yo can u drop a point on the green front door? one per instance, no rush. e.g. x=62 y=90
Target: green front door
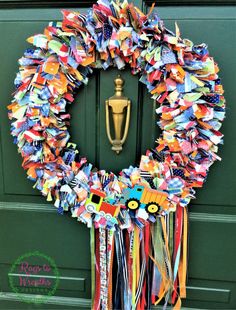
x=28 y=223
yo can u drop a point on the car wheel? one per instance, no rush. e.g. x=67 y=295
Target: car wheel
x=132 y=204
x=152 y=207
x=90 y=208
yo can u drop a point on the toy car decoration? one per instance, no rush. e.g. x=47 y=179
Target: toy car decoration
x=147 y=200
x=95 y=204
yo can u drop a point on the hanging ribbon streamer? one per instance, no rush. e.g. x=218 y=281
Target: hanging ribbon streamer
x=96 y=297
x=135 y=268
x=103 y=269
x=110 y=257
x=93 y=262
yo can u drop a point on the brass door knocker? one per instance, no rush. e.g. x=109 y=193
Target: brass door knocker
x=118 y=104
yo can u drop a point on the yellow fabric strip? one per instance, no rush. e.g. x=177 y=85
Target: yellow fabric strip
x=177 y=306
x=151 y=9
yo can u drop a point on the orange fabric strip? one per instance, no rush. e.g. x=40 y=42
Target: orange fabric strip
x=151 y=9
x=182 y=272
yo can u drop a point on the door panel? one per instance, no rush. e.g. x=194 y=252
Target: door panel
x=29 y=223
x=56 y=236
x=211 y=272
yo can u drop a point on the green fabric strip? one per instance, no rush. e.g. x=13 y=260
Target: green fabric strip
x=92 y=249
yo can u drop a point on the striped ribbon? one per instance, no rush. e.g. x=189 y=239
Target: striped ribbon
x=141 y=275
x=110 y=255
x=103 y=269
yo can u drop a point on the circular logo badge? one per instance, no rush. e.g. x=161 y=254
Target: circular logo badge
x=34 y=277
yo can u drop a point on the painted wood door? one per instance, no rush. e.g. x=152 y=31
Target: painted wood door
x=28 y=223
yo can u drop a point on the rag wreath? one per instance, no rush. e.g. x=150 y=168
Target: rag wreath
x=138 y=218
